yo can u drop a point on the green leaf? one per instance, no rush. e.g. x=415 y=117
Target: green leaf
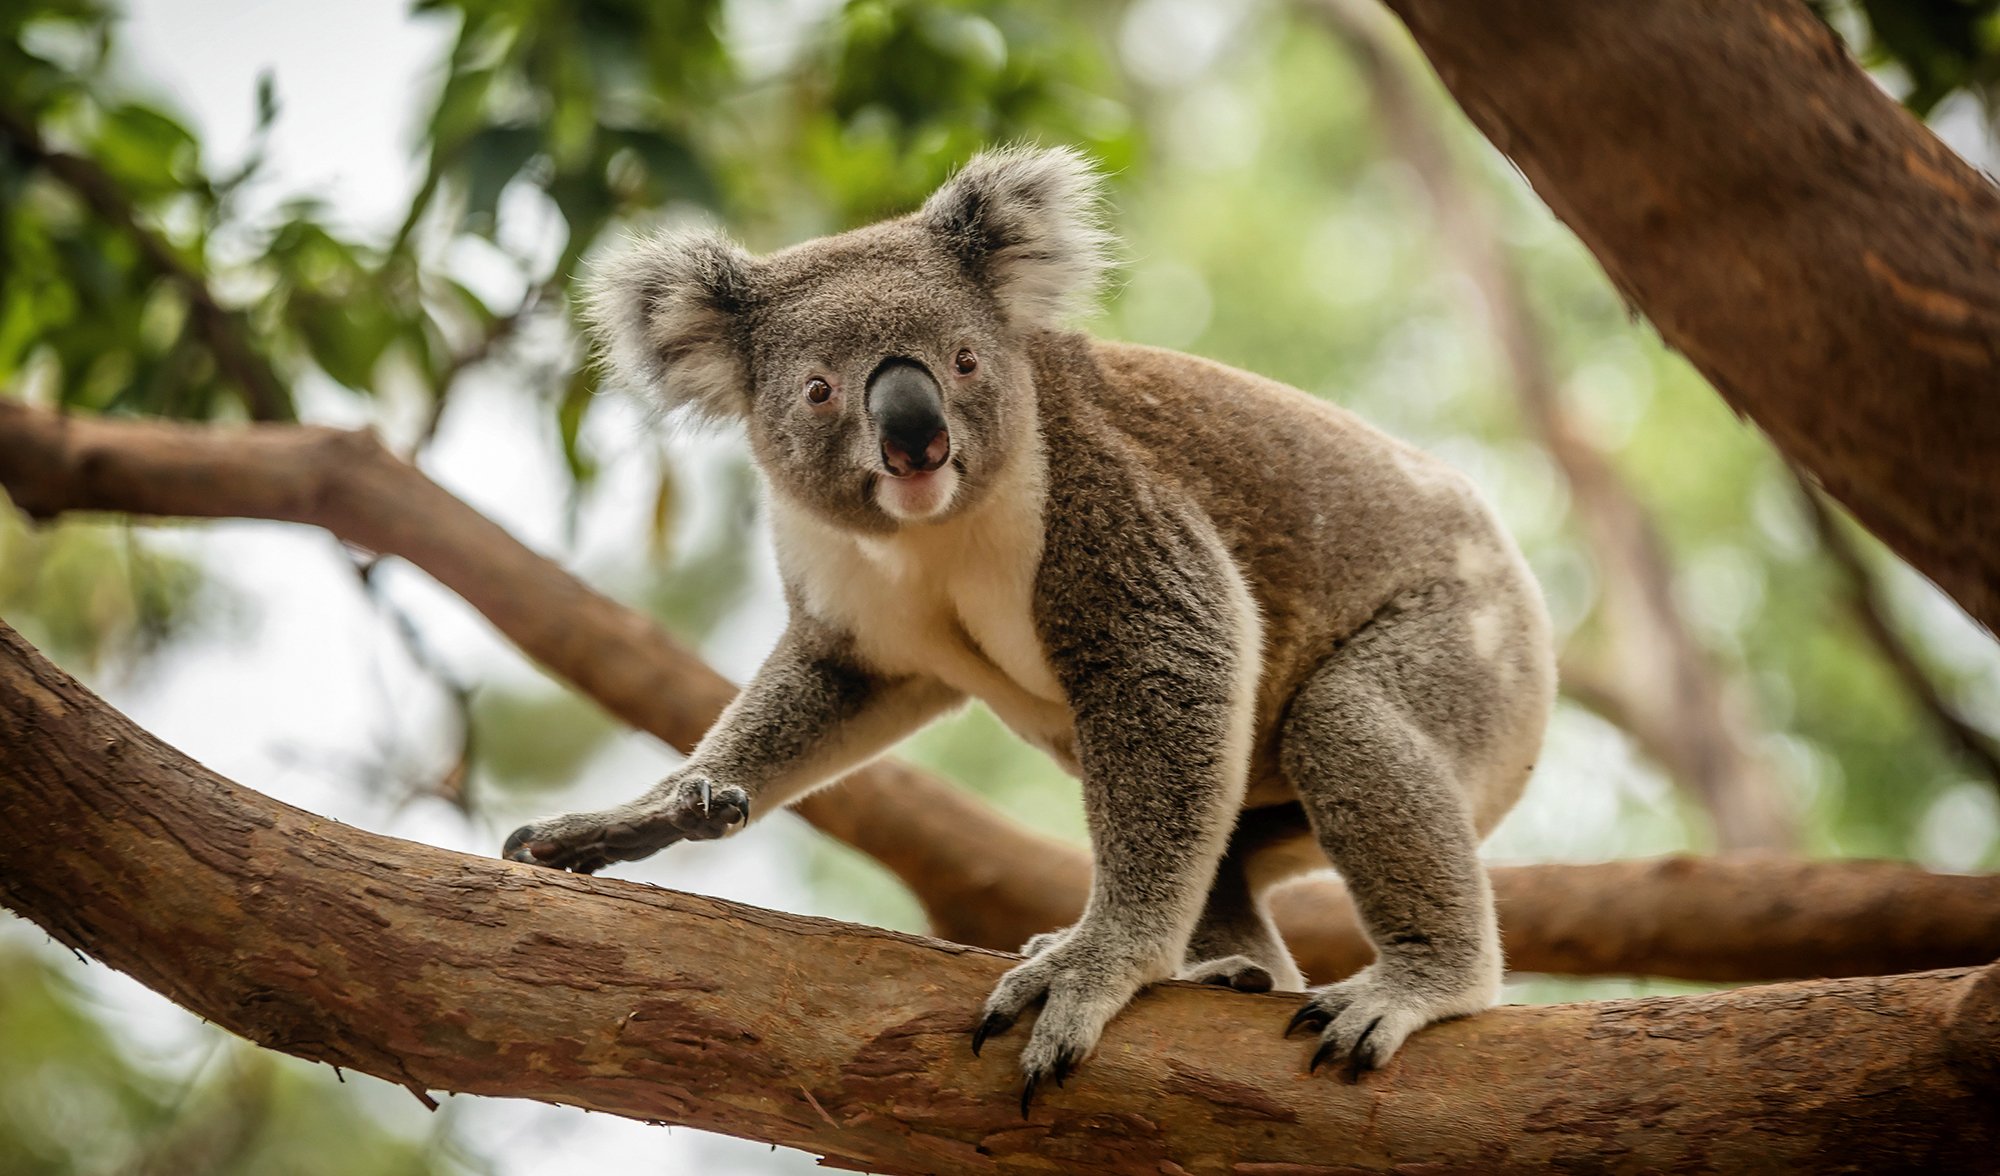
x=146 y=149
x=267 y=100
x=578 y=396
x=492 y=157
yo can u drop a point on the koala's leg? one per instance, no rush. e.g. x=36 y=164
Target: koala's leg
x=811 y=714
x=1162 y=696
x=1235 y=944
x=1377 y=743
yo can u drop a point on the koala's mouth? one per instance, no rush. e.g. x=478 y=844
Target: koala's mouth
x=919 y=496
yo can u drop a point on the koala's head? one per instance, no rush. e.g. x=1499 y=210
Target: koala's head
x=882 y=374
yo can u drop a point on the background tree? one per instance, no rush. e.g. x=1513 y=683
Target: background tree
x=1278 y=219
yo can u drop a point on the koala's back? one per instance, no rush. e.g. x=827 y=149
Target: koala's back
x=1335 y=525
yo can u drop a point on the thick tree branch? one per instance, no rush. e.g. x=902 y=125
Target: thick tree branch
x=1826 y=262
x=445 y=972
x=1662 y=685
x=982 y=879
x=228 y=338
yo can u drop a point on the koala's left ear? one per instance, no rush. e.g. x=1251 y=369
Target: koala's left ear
x=669 y=312
x=1027 y=223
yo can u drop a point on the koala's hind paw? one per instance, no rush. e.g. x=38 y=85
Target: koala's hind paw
x=1238 y=971
x=1080 y=988
x=1037 y=944
x=687 y=809
x=1365 y=1018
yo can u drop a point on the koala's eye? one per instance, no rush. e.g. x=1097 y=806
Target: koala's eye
x=818 y=391
x=966 y=363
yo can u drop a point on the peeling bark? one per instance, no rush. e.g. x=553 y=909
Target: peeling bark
x=1818 y=255
x=982 y=879
x=446 y=972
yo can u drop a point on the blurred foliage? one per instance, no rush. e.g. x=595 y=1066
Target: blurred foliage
x=536 y=739
x=92 y=594
x=1940 y=47
x=74 y=1101
x=1266 y=224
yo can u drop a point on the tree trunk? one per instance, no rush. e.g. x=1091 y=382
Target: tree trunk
x=982 y=879
x=445 y=972
x=1828 y=264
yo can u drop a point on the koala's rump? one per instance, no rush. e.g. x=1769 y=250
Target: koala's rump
x=1334 y=524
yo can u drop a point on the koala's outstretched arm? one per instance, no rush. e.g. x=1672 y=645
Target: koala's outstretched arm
x=1156 y=641
x=812 y=713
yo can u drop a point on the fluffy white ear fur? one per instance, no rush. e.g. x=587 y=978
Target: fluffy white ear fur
x=667 y=312
x=1027 y=222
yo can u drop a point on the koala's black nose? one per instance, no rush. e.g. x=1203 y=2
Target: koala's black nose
x=908 y=408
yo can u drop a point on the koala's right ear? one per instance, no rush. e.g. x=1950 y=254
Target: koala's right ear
x=668 y=311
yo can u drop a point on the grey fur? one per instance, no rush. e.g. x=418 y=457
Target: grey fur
x=1026 y=225
x=1263 y=634
x=669 y=311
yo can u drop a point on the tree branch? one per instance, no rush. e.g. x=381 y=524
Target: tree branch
x=265 y=396
x=1826 y=263
x=982 y=879
x=1864 y=599
x=1665 y=689
x=445 y=972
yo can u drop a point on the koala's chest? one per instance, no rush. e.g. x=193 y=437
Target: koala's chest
x=954 y=602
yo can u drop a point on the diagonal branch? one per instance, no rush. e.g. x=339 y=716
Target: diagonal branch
x=1817 y=254
x=982 y=879
x=445 y=972
x=1864 y=598
x=1659 y=683
x=222 y=329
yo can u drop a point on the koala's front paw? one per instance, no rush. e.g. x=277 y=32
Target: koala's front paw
x=686 y=808
x=1081 y=984
x=1367 y=1017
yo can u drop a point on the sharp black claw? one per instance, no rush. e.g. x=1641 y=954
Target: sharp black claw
x=1357 y=1061
x=1064 y=1061
x=991 y=1024
x=1326 y=1050
x=1308 y=1015
x=1028 y=1093
x=745 y=806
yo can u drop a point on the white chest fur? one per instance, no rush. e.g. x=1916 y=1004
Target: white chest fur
x=952 y=600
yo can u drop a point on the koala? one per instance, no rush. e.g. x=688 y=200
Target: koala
x=1264 y=635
